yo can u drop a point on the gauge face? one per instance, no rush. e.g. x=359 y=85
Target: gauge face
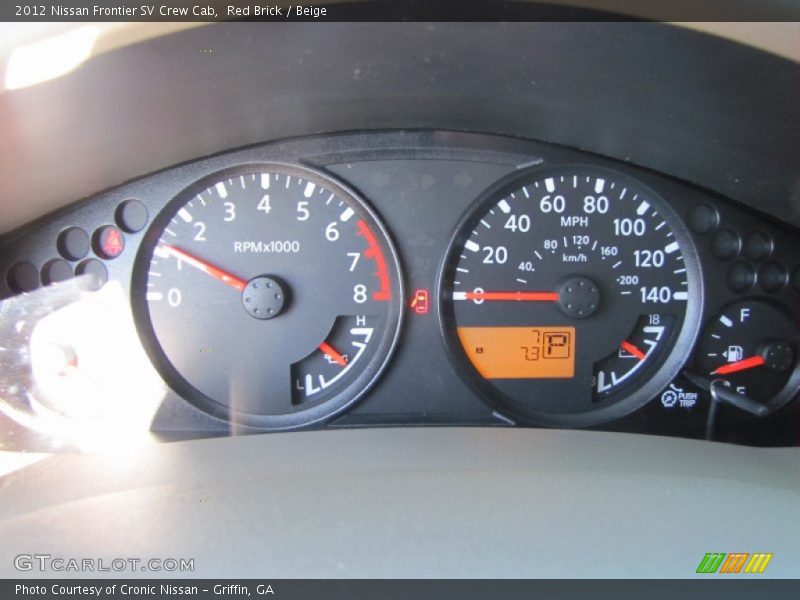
x=752 y=346
x=567 y=294
x=269 y=295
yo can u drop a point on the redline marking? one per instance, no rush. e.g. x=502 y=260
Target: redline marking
x=374 y=252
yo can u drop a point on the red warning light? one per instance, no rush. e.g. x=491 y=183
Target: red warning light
x=109 y=242
x=419 y=302
x=113 y=243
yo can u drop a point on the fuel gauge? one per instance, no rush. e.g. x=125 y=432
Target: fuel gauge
x=752 y=346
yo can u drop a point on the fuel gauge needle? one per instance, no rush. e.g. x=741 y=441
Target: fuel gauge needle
x=331 y=351
x=631 y=349
x=740 y=365
x=206 y=267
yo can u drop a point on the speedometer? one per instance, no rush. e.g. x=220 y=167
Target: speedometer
x=570 y=296
x=268 y=295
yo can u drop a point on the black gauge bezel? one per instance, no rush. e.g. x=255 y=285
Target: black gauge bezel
x=318 y=412
x=659 y=374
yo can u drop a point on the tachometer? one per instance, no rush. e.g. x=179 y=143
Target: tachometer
x=268 y=295
x=569 y=294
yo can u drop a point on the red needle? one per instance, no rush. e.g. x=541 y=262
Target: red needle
x=517 y=296
x=631 y=349
x=330 y=351
x=207 y=267
x=740 y=365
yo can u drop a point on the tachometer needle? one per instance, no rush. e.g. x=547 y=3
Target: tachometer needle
x=631 y=349
x=513 y=296
x=740 y=365
x=206 y=267
x=330 y=351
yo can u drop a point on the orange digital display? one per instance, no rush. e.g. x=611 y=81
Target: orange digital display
x=520 y=352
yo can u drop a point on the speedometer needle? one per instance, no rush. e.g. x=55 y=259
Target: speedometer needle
x=740 y=365
x=514 y=296
x=206 y=267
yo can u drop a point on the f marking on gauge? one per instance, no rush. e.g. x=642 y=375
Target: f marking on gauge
x=269 y=295
x=569 y=295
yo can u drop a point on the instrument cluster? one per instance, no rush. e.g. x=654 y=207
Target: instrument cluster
x=402 y=278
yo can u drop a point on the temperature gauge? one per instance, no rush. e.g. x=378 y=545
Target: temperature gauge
x=318 y=374
x=752 y=346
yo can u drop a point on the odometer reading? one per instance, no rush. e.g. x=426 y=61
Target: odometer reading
x=520 y=352
x=272 y=293
x=584 y=254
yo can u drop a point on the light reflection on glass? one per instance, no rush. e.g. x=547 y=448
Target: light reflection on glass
x=72 y=369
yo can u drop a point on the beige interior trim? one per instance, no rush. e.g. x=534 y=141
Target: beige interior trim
x=782 y=39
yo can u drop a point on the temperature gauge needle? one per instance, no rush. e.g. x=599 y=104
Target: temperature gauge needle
x=631 y=349
x=331 y=351
x=739 y=365
x=206 y=267
x=514 y=296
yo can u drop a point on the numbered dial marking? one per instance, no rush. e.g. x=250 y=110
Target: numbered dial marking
x=259 y=276
x=583 y=248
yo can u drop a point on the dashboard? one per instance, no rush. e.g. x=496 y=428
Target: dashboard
x=403 y=299
x=402 y=278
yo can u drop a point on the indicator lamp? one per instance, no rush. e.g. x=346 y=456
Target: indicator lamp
x=109 y=242
x=419 y=302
